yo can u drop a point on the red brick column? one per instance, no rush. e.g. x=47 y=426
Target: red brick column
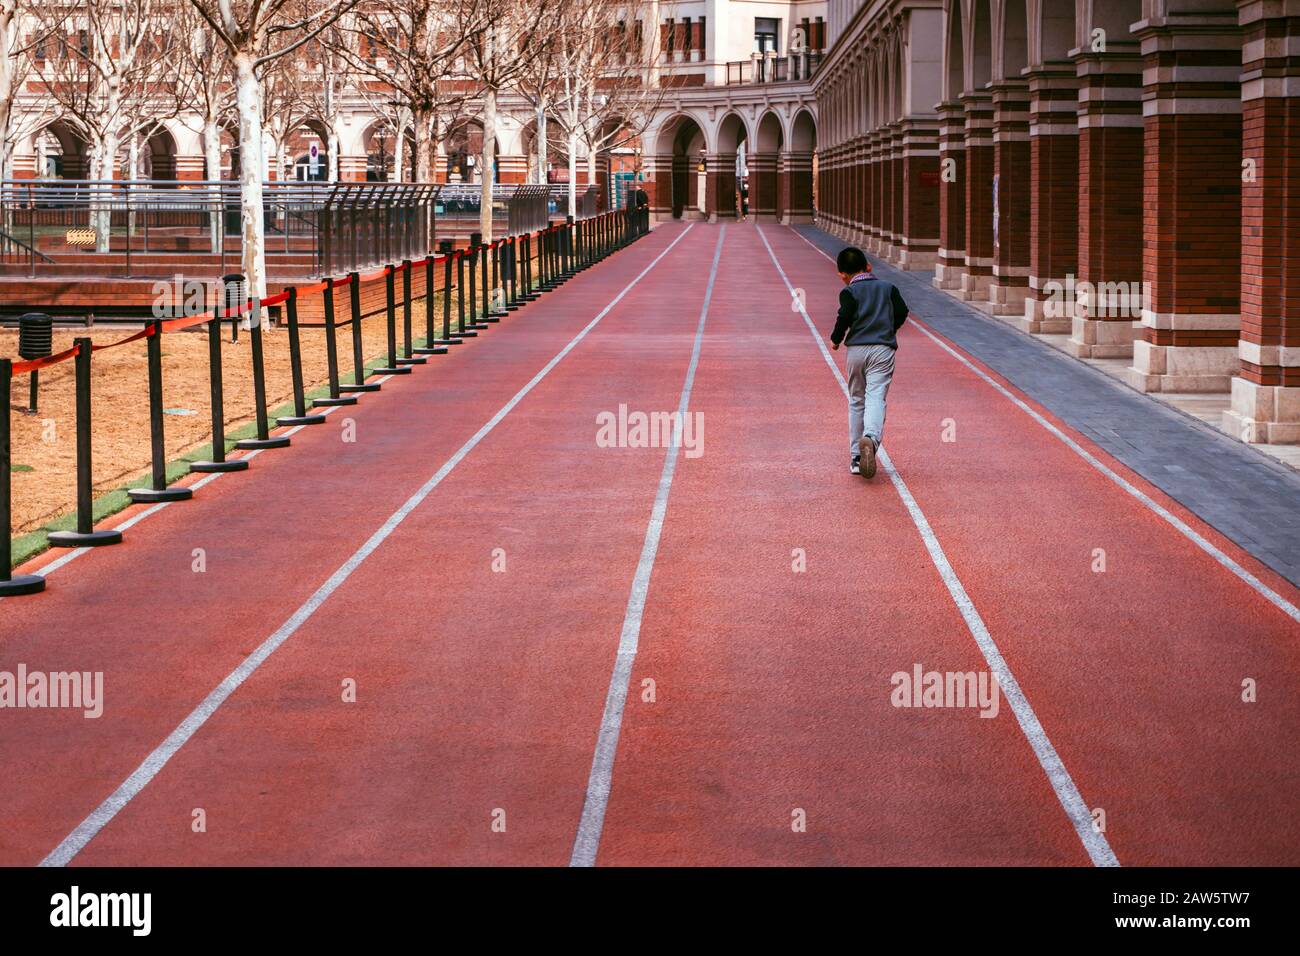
x=1191 y=107
x=1010 y=285
x=1266 y=390
x=978 y=274
x=861 y=194
x=950 y=262
x=1053 y=197
x=658 y=184
x=1107 y=297
x=189 y=168
x=720 y=198
x=920 y=174
x=896 y=192
x=514 y=169
x=796 y=173
x=762 y=187
x=876 y=227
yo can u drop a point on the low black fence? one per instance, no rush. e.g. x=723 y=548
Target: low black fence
x=474 y=287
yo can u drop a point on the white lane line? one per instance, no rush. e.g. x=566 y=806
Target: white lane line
x=1066 y=792
x=73 y=843
x=592 y=822
x=1277 y=600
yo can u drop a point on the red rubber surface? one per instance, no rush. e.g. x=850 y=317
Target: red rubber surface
x=480 y=691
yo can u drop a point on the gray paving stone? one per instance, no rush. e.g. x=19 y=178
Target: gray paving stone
x=1248 y=497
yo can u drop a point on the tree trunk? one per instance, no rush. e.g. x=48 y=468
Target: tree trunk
x=543 y=153
x=212 y=157
x=593 y=171
x=332 y=152
x=573 y=173
x=8 y=11
x=103 y=218
x=488 y=162
x=251 y=168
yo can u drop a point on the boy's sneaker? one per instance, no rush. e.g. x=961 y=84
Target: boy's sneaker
x=867 y=454
x=855 y=466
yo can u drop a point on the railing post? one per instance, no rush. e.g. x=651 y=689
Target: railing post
x=263 y=439
x=217 y=404
x=407 y=357
x=390 y=312
x=158 y=490
x=85 y=536
x=332 y=355
x=299 y=416
x=10 y=585
x=359 y=383
x=432 y=344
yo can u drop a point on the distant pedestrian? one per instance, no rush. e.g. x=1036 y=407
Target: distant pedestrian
x=871 y=313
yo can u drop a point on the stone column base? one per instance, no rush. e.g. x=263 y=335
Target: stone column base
x=1034 y=317
x=919 y=260
x=1168 y=368
x=1266 y=414
x=947 y=275
x=974 y=288
x=1102 y=338
x=1007 y=298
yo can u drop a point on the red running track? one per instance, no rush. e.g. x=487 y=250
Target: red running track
x=480 y=620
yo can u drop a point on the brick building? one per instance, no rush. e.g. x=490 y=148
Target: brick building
x=1120 y=170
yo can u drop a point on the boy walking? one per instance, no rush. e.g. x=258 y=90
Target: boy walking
x=871 y=313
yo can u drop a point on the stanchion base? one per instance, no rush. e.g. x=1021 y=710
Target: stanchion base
x=84 y=539
x=394 y=370
x=22 y=584
x=498 y=316
x=364 y=387
x=143 y=496
x=288 y=420
x=431 y=350
x=488 y=318
x=464 y=335
x=251 y=444
x=327 y=402
x=230 y=464
x=433 y=342
x=413 y=360
x=514 y=308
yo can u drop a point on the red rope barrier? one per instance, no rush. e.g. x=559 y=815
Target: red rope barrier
x=32 y=365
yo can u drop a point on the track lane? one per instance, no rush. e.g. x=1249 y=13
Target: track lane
x=773 y=686
x=476 y=688
x=1136 y=672
x=270 y=537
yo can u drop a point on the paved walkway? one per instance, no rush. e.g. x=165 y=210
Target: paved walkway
x=569 y=653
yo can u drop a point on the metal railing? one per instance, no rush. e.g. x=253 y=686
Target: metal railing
x=770 y=69
x=515 y=207
x=310 y=228
x=588 y=200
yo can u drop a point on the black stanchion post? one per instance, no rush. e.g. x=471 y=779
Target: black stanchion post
x=332 y=355
x=462 y=332
x=11 y=585
x=359 y=383
x=528 y=294
x=512 y=297
x=85 y=536
x=408 y=357
x=217 y=405
x=232 y=286
x=474 y=321
x=299 y=416
x=432 y=344
x=488 y=313
x=390 y=310
x=498 y=281
x=158 y=490
x=263 y=439
x=448 y=336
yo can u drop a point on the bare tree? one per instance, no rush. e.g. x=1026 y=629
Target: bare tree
x=498 y=54
x=15 y=69
x=257 y=33
x=406 y=55
x=108 y=65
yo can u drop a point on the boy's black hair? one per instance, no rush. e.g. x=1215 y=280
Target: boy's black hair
x=851 y=261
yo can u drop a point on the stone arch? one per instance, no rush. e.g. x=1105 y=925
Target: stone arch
x=954 y=71
x=1012 y=46
x=158 y=155
x=463 y=149
x=1051 y=30
x=60 y=152
x=769 y=140
x=978 y=46
x=680 y=146
x=1112 y=16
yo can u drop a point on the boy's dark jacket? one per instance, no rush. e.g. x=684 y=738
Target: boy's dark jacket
x=871 y=313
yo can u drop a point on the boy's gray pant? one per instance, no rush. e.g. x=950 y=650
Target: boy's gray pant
x=869 y=369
